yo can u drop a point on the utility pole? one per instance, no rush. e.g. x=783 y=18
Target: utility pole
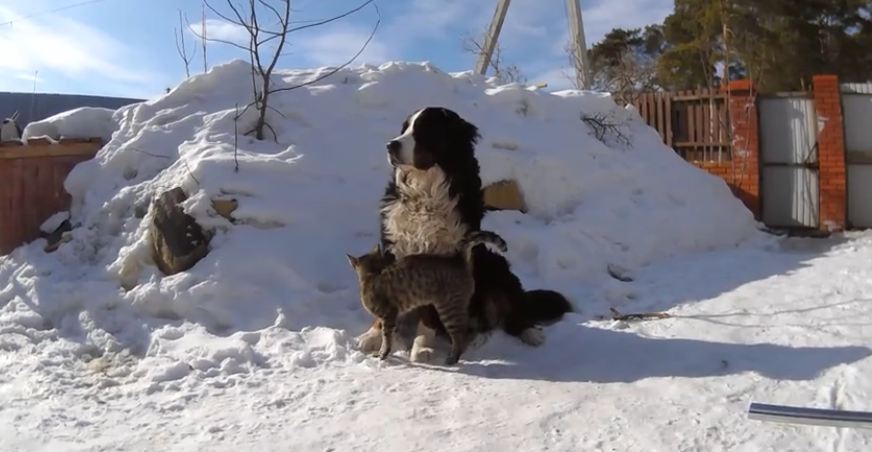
x=576 y=26
x=579 y=46
x=493 y=34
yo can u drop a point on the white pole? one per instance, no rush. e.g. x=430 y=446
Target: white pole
x=493 y=34
x=576 y=26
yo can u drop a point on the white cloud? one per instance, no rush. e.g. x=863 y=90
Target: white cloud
x=428 y=18
x=28 y=77
x=67 y=47
x=338 y=45
x=221 y=30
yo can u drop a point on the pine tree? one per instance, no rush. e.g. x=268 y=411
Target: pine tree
x=780 y=44
x=624 y=62
x=693 y=45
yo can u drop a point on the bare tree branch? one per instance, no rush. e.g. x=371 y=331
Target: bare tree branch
x=604 y=126
x=236 y=140
x=203 y=40
x=334 y=18
x=275 y=11
x=283 y=39
x=503 y=73
x=222 y=41
x=241 y=22
x=262 y=63
x=638 y=316
x=181 y=46
x=343 y=66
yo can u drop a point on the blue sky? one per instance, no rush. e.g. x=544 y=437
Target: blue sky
x=126 y=47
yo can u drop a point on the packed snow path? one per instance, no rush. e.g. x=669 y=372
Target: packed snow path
x=775 y=320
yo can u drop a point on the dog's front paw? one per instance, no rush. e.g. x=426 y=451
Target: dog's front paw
x=370 y=341
x=422 y=354
x=533 y=337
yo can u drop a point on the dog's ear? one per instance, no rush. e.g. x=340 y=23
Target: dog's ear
x=463 y=128
x=470 y=132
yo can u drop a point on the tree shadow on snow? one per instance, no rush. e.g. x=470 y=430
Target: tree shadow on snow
x=576 y=353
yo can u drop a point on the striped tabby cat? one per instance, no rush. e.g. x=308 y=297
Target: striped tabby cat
x=390 y=287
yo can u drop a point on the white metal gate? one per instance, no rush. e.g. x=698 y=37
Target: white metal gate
x=789 y=157
x=857 y=112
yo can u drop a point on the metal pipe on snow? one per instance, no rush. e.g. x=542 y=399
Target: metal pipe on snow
x=810 y=416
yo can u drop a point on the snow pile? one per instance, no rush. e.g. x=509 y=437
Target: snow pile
x=275 y=286
x=83 y=122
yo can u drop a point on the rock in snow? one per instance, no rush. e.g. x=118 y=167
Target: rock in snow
x=178 y=242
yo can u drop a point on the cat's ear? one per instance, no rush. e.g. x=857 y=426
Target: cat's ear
x=352 y=260
x=377 y=250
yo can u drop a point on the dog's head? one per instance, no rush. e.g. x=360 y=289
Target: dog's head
x=433 y=136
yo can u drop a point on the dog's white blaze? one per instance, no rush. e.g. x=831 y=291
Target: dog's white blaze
x=425 y=219
x=407 y=141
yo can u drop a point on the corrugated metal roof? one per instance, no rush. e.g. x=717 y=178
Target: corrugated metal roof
x=857 y=88
x=34 y=107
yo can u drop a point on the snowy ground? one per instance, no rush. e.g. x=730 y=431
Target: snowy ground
x=253 y=346
x=778 y=320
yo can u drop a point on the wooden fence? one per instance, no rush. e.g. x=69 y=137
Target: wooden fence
x=32 y=185
x=694 y=123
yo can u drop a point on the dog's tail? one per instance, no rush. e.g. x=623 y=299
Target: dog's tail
x=475 y=238
x=544 y=306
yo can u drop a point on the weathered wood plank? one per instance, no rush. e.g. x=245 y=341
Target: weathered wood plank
x=77 y=148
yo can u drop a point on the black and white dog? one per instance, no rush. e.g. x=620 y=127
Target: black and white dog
x=433 y=200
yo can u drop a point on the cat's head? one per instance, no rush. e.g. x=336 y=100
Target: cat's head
x=371 y=263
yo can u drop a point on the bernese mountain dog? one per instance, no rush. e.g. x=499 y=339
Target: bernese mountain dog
x=432 y=200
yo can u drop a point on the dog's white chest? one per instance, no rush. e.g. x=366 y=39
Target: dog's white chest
x=424 y=220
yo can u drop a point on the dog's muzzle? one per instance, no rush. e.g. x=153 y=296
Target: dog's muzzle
x=394 y=147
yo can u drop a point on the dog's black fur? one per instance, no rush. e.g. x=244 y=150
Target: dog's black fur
x=445 y=139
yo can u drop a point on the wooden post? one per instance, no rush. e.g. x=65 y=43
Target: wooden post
x=493 y=34
x=579 y=46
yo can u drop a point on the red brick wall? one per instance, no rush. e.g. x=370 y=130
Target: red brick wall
x=831 y=147
x=742 y=173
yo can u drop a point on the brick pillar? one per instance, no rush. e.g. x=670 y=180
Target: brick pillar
x=744 y=179
x=831 y=151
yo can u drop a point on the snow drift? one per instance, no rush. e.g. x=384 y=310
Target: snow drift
x=83 y=122
x=276 y=281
